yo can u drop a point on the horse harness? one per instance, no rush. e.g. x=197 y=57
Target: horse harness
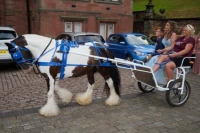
x=65 y=46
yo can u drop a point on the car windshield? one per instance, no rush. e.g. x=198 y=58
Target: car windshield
x=6 y=34
x=87 y=38
x=138 y=40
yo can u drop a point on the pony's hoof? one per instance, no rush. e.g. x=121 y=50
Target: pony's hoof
x=48 y=113
x=67 y=99
x=45 y=111
x=64 y=94
x=112 y=101
x=83 y=99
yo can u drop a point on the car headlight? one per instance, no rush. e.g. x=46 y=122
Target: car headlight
x=139 y=53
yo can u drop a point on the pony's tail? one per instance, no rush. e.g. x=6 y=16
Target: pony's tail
x=115 y=76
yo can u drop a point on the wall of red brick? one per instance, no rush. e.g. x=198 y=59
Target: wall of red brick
x=13 y=13
x=2 y=8
x=45 y=15
x=51 y=10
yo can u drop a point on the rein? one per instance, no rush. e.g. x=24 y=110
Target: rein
x=36 y=61
x=42 y=52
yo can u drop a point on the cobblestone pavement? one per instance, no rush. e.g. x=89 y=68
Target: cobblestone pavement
x=22 y=95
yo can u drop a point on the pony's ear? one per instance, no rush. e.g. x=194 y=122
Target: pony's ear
x=20 y=41
x=7 y=44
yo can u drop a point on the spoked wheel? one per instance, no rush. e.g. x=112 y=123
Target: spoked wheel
x=173 y=95
x=145 y=88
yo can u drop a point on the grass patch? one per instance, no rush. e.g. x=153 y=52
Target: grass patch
x=174 y=8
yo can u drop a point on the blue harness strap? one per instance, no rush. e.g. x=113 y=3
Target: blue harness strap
x=98 y=52
x=65 y=46
x=17 y=55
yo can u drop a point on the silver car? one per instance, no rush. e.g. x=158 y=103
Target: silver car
x=81 y=37
x=7 y=34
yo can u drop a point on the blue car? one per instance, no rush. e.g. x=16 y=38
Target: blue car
x=130 y=46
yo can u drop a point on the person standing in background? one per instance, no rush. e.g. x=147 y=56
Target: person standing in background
x=196 y=66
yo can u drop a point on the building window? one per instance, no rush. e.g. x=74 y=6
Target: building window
x=109 y=1
x=73 y=27
x=110 y=29
x=106 y=29
x=77 y=27
x=68 y=26
x=81 y=0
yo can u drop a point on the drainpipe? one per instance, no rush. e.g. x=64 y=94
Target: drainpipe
x=28 y=16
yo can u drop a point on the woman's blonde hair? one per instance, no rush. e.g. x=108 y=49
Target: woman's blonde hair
x=191 y=29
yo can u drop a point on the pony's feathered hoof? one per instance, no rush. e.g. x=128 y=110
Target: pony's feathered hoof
x=50 y=108
x=46 y=111
x=113 y=100
x=65 y=95
x=67 y=99
x=83 y=98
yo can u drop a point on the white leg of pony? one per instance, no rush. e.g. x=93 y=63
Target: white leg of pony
x=113 y=98
x=63 y=93
x=86 y=97
x=50 y=108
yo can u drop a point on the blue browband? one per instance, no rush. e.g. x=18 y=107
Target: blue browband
x=64 y=48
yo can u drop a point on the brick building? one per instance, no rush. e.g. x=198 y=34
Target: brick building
x=52 y=17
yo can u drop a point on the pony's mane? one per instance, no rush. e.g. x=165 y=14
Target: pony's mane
x=37 y=40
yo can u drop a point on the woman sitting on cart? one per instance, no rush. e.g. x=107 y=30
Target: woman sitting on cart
x=165 y=42
x=168 y=41
x=183 y=47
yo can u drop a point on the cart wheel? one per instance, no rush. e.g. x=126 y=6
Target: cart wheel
x=145 y=88
x=173 y=95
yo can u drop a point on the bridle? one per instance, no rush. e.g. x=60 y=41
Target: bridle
x=17 y=55
x=19 y=59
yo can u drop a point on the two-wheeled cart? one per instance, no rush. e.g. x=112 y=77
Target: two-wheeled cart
x=177 y=90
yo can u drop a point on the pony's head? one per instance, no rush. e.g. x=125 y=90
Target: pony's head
x=20 y=54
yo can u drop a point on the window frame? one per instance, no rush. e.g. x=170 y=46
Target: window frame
x=106 y=27
x=71 y=29
x=73 y=26
x=119 y=2
x=80 y=0
x=81 y=26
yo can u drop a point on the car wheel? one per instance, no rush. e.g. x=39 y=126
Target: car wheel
x=129 y=58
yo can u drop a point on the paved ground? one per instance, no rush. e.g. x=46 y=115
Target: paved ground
x=26 y=91
x=22 y=95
